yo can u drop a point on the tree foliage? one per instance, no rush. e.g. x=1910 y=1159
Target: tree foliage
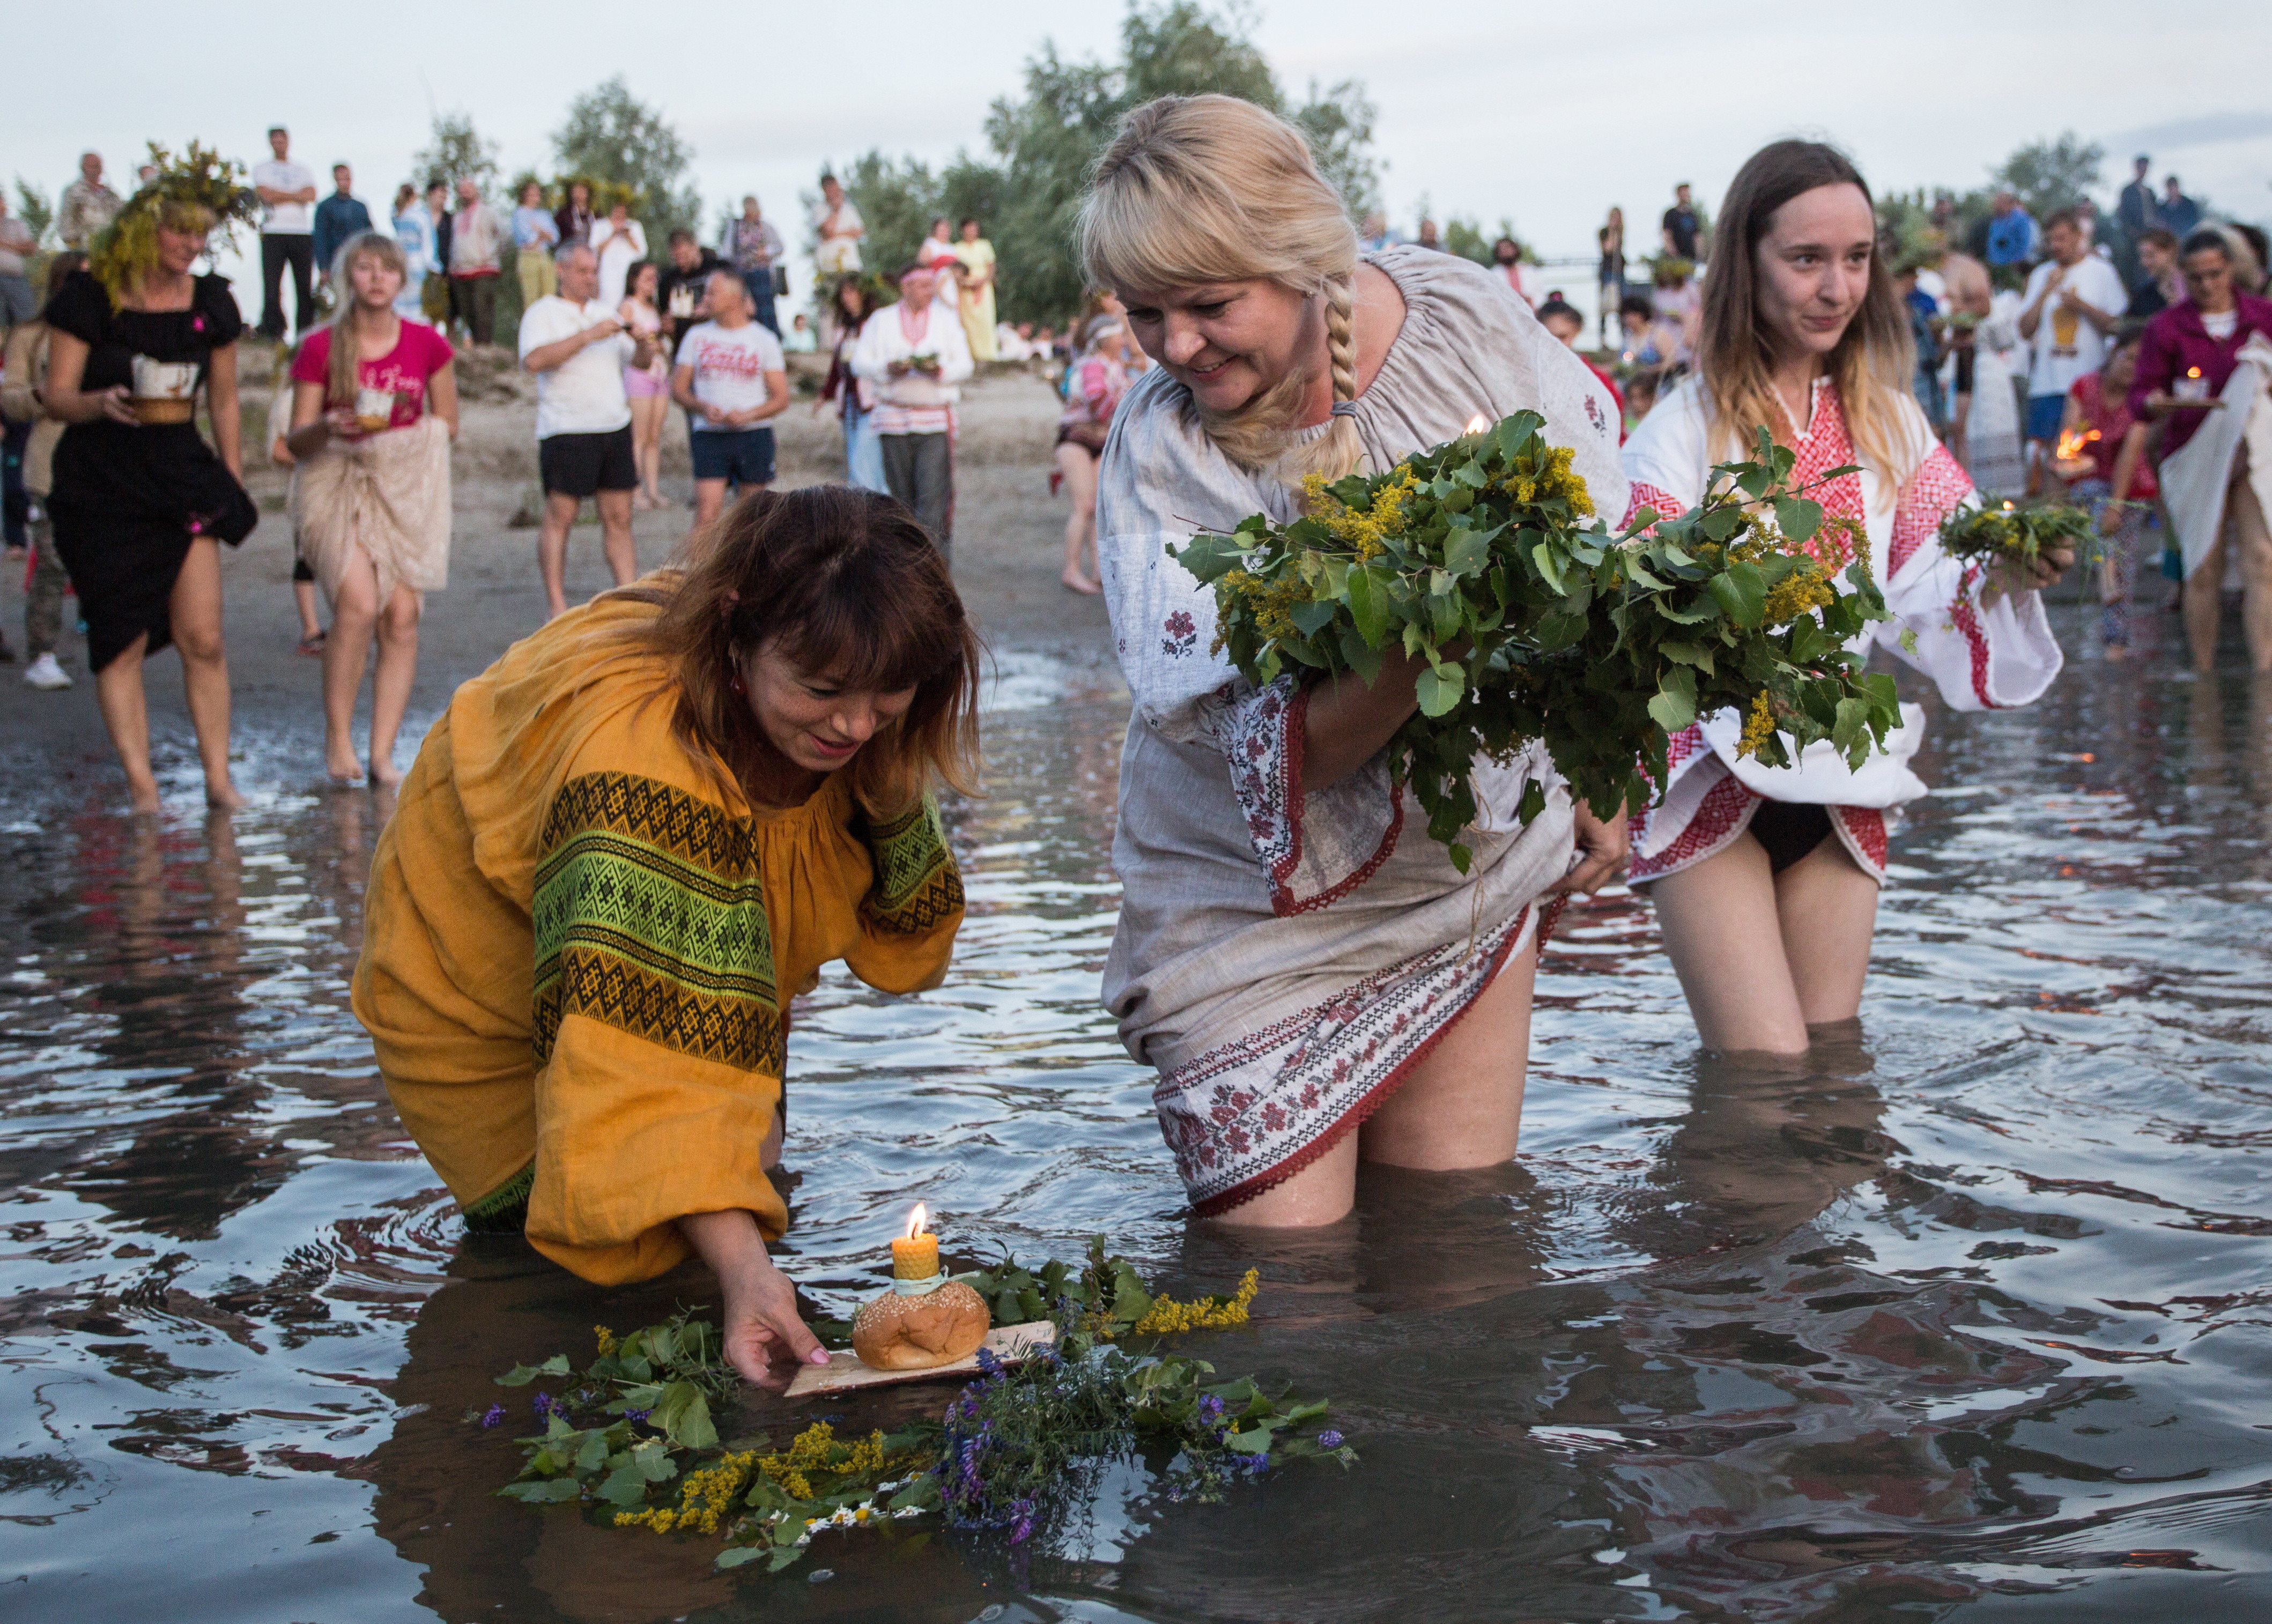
x=2050 y=175
x=35 y=208
x=455 y=151
x=1027 y=192
x=617 y=141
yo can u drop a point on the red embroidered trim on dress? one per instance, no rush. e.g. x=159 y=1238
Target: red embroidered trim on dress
x=1647 y=495
x=1968 y=621
x=1723 y=813
x=1374 y=1099
x=1864 y=831
x=1935 y=492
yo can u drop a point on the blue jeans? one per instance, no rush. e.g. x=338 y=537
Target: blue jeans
x=761 y=284
x=863 y=452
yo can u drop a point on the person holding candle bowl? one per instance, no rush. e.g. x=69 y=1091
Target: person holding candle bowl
x=623 y=849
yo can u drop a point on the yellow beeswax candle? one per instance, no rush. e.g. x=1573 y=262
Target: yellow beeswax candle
x=914 y=1255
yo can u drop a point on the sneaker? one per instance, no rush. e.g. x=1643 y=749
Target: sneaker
x=44 y=672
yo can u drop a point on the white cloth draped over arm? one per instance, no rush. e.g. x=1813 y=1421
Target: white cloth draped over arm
x=1989 y=659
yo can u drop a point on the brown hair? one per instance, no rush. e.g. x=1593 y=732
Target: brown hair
x=1211 y=189
x=1874 y=357
x=342 y=377
x=842 y=580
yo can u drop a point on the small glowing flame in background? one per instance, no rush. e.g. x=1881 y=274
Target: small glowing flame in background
x=1477 y=424
x=2071 y=443
x=918 y=1217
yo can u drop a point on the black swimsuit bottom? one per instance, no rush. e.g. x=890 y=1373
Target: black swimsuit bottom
x=1788 y=829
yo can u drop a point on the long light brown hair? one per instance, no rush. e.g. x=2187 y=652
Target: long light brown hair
x=1211 y=189
x=838 y=580
x=1874 y=358
x=341 y=377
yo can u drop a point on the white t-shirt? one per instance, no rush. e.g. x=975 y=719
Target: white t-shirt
x=834 y=256
x=585 y=395
x=729 y=364
x=2222 y=325
x=2065 y=346
x=285 y=218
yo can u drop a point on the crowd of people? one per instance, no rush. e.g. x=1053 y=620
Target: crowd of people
x=587 y=917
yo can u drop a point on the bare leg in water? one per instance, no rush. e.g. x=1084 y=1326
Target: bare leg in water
x=193 y=612
x=1762 y=957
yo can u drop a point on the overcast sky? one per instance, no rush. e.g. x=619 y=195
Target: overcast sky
x=1544 y=114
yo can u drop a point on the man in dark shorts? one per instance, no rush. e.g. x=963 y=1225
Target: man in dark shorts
x=730 y=377
x=578 y=349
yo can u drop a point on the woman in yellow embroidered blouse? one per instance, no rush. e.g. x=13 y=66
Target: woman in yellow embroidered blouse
x=625 y=847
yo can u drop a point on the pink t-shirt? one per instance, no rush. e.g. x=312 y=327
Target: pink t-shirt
x=417 y=355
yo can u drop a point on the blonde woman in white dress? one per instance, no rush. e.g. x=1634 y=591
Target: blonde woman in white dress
x=1314 y=979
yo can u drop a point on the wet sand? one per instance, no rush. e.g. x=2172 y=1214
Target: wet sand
x=1008 y=533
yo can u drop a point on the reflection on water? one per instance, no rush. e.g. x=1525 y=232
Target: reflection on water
x=1966 y=1319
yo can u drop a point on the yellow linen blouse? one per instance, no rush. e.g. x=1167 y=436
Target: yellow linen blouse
x=580 y=946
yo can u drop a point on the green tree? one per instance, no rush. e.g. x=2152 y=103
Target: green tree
x=455 y=151
x=35 y=209
x=1027 y=196
x=2050 y=175
x=613 y=139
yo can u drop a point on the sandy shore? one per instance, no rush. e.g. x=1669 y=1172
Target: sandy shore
x=1007 y=538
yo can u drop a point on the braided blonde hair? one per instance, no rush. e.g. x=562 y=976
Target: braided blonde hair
x=1210 y=188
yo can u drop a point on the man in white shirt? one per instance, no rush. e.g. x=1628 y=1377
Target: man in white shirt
x=578 y=349
x=730 y=377
x=287 y=235
x=913 y=354
x=2072 y=302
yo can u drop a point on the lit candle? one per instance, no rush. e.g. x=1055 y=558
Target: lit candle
x=914 y=1255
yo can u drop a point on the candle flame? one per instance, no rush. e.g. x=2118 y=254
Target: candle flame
x=2007 y=507
x=918 y=1217
x=2071 y=444
x=1477 y=424
x=2192 y=372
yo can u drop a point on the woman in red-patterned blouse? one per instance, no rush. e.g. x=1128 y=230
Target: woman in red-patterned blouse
x=1765 y=880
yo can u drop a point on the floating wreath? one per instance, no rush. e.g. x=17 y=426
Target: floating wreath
x=1485 y=558
x=2016 y=535
x=632 y=1436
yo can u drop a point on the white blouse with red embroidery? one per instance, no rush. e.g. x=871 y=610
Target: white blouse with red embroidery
x=1993 y=657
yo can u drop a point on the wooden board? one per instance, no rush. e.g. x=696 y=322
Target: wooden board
x=845 y=1374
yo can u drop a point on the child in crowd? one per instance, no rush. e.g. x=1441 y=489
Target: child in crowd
x=1561 y=318
x=303 y=579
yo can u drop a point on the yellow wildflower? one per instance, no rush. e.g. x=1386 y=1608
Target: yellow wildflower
x=606 y=1339
x=1805 y=589
x=1383 y=516
x=1168 y=1317
x=1759 y=727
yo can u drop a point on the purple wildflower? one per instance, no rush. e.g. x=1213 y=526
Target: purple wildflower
x=493 y=1415
x=1329 y=1440
x=987 y=1363
x=637 y=1415
x=1210 y=1409
x=546 y=1404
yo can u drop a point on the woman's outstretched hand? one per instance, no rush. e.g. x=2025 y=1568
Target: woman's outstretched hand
x=766 y=1340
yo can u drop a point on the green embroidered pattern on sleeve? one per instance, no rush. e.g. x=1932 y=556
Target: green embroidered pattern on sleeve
x=917 y=885
x=650 y=917
x=504 y=1210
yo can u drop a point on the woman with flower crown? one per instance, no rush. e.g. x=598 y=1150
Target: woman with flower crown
x=1765 y=879
x=1314 y=979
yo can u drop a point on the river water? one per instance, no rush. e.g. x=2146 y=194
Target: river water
x=1972 y=1323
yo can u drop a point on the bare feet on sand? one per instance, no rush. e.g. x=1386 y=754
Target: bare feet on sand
x=384 y=774
x=1075 y=581
x=223 y=796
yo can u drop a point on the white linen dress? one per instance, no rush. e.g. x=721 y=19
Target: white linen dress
x=1285 y=960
